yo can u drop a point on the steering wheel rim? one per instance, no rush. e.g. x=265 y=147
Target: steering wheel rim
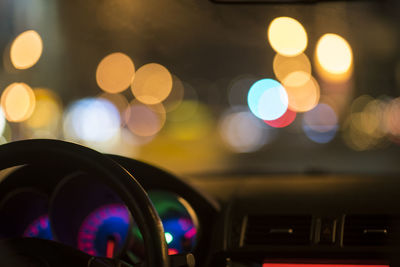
x=111 y=173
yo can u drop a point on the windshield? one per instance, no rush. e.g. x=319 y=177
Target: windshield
x=200 y=87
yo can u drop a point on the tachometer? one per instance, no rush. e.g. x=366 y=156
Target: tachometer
x=104 y=231
x=179 y=222
x=39 y=228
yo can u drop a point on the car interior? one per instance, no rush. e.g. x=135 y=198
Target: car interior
x=200 y=133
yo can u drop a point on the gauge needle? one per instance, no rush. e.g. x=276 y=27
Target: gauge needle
x=110 y=247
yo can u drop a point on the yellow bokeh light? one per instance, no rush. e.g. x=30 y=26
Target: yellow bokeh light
x=304 y=97
x=26 y=50
x=368 y=116
x=372 y=119
x=48 y=109
x=195 y=126
x=360 y=102
x=364 y=128
x=18 y=102
x=115 y=72
x=152 y=84
x=145 y=120
x=283 y=66
x=287 y=36
x=334 y=58
x=359 y=140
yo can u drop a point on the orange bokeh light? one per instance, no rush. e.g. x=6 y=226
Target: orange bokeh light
x=152 y=84
x=26 y=50
x=115 y=72
x=284 y=66
x=18 y=102
x=304 y=97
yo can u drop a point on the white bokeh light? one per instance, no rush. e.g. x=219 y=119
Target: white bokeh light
x=92 y=120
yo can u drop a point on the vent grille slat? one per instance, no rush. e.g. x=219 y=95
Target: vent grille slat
x=371 y=230
x=277 y=230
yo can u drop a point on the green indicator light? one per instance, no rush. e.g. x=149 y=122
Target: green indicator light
x=168 y=237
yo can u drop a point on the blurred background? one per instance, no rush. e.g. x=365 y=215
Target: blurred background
x=199 y=88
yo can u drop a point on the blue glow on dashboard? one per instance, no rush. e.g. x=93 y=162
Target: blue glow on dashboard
x=39 y=228
x=109 y=222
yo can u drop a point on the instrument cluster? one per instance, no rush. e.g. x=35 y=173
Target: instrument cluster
x=88 y=215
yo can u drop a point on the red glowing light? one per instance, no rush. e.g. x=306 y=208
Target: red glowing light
x=286 y=119
x=110 y=248
x=317 y=265
x=172 y=251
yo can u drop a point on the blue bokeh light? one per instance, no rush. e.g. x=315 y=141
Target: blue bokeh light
x=267 y=99
x=320 y=124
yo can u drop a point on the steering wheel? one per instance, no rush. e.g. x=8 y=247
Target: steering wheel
x=48 y=253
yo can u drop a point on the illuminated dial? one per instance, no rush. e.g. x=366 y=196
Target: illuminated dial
x=39 y=228
x=104 y=231
x=179 y=222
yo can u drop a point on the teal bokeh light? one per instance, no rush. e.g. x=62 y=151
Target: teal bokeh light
x=267 y=99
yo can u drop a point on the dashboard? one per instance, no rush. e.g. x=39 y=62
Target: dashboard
x=313 y=220
x=74 y=208
x=302 y=220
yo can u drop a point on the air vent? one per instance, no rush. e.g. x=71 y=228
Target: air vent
x=277 y=230
x=371 y=230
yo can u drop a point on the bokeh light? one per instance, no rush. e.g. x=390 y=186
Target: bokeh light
x=115 y=72
x=26 y=49
x=152 y=84
x=370 y=120
x=392 y=118
x=355 y=139
x=302 y=96
x=284 y=66
x=320 y=124
x=145 y=120
x=92 y=120
x=48 y=110
x=334 y=58
x=287 y=36
x=190 y=121
x=285 y=120
x=360 y=102
x=242 y=132
x=18 y=102
x=184 y=112
x=365 y=126
x=267 y=99
x=175 y=98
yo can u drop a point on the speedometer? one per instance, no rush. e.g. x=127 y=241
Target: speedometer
x=104 y=231
x=89 y=215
